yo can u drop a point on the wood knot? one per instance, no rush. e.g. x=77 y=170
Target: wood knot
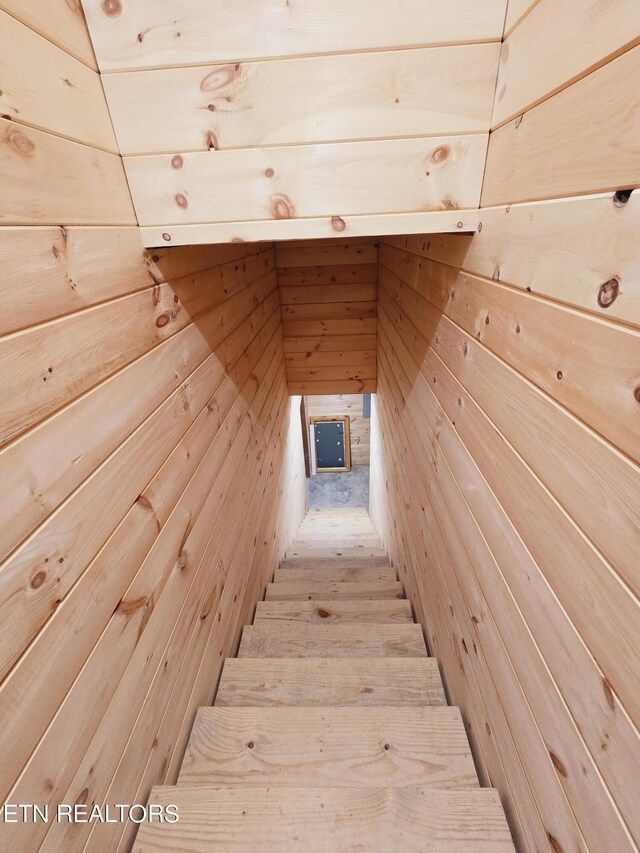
x=608 y=692
x=181 y=562
x=282 y=207
x=145 y=503
x=562 y=770
x=250 y=745
x=323 y=614
x=559 y=375
x=18 y=142
x=37 y=580
x=518 y=121
x=177 y=162
x=181 y=200
x=166 y=237
x=269 y=172
x=636 y=393
x=162 y=320
x=608 y=292
x=83 y=797
x=495 y=275
x=112 y=8
x=219 y=78
x=449 y=204
x=211 y=140
x=440 y=154
x=338 y=223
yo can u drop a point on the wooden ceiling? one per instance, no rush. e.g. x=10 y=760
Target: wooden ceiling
x=288 y=119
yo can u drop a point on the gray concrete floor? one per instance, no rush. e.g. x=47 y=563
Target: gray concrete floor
x=345 y=489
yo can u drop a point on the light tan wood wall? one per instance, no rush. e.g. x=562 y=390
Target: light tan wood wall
x=235 y=119
x=345 y=404
x=148 y=450
x=505 y=441
x=328 y=292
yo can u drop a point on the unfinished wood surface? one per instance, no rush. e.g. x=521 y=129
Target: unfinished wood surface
x=331 y=574
x=339 y=97
x=309 y=180
x=45 y=87
x=329 y=612
x=332 y=747
x=324 y=284
x=361 y=682
x=51 y=271
x=583 y=140
x=335 y=641
x=321 y=227
x=579 y=251
x=531 y=629
x=61 y=23
x=48 y=180
x=377 y=819
x=599 y=32
x=337 y=562
x=211 y=32
x=523 y=330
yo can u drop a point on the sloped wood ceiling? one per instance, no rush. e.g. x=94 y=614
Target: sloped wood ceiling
x=285 y=119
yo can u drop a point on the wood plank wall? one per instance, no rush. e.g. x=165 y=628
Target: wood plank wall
x=150 y=458
x=505 y=440
x=235 y=116
x=329 y=405
x=328 y=292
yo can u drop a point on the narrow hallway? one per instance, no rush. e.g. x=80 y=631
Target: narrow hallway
x=330 y=729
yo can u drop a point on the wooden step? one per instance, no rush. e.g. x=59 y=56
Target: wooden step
x=317 y=820
x=336 y=562
x=286 y=640
x=316 y=590
x=342 y=683
x=331 y=612
x=330 y=549
x=334 y=747
x=331 y=573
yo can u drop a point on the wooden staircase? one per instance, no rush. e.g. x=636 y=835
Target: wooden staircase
x=330 y=730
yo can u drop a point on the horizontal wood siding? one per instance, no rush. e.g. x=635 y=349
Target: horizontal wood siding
x=265 y=120
x=152 y=474
x=328 y=293
x=505 y=478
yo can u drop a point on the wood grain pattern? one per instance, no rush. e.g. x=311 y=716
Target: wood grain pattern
x=321 y=227
x=379 y=819
x=211 y=32
x=578 y=251
x=330 y=612
x=583 y=140
x=390 y=176
x=361 y=682
x=48 y=180
x=330 y=286
x=336 y=641
x=52 y=90
x=600 y=31
x=340 y=97
x=304 y=590
x=61 y=23
x=332 y=747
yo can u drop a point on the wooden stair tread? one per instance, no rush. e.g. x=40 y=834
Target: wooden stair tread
x=377 y=820
x=336 y=747
x=336 y=562
x=363 y=640
x=314 y=590
x=337 y=682
x=330 y=573
x=331 y=549
x=328 y=612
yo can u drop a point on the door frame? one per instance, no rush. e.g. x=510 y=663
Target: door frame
x=346 y=420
